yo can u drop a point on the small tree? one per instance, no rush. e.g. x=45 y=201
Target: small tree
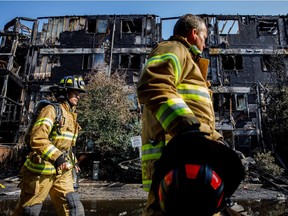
x=276 y=116
x=108 y=123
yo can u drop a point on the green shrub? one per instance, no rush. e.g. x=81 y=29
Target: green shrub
x=108 y=125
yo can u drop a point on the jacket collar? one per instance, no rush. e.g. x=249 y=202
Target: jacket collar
x=196 y=53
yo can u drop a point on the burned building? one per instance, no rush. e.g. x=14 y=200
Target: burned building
x=241 y=50
x=35 y=53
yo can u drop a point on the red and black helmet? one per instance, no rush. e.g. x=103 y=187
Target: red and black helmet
x=191 y=188
x=195 y=174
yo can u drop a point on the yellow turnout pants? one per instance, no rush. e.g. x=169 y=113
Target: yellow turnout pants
x=35 y=188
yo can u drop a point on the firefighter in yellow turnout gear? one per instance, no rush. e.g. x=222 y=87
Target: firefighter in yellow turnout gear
x=174 y=90
x=48 y=167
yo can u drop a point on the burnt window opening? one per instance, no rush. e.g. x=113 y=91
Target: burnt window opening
x=98 y=61
x=148 y=26
x=241 y=102
x=135 y=62
x=102 y=26
x=91 y=26
x=130 y=61
x=252 y=98
x=26 y=27
x=3 y=62
x=228 y=27
x=2 y=41
x=212 y=37
x=132 y=26
x=97 y=26
x=223 y=102
x=232 y=62
x=124 y=61
x=268 y=27
x=72 y=24
x=229 y=102
x=87 y=62
x=216 y=102
x=267 y=63
x=272 y=63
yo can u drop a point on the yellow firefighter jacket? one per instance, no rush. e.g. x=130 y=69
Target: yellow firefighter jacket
x=173 y=88
x=47 y=145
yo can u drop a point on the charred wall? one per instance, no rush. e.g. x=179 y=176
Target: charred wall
x=245 y=52
x=34 y=54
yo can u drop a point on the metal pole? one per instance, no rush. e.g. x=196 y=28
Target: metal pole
x=112 y=46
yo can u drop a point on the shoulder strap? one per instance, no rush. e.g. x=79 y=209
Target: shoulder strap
x=59 y=114
x=37 y=110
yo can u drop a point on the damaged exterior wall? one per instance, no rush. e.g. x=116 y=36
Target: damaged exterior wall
x=240 y=49
x=35 y=54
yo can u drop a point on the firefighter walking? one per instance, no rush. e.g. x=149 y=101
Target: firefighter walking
x=174 y=90
x=48 y=167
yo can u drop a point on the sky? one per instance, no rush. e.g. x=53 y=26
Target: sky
x=33 y=9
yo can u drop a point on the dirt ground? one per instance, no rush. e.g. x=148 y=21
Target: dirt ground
x=100 y=190
x=94 y=189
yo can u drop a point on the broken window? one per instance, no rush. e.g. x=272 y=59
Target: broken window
x=212 y=38
x=268 y=27
x=232 y=62
x=98 y=61
x=3 y=62
x=228 y=27
x=266 y=63
x=26 y=27
x=135 y=62
x=91 y=26
x=97 y=26
x=102 y=26
x=130 y=61
x=240 y=102
x=148 y=26
x=230 y=102
x=124 y=61
x=87 y=62
x=132 y=26
x=72 y=24
x=272 y=63
x=2 y=41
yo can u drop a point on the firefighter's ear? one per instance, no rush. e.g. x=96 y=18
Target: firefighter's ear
x=194 y=34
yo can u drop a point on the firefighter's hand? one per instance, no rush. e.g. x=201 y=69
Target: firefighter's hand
x=77 y=168
x=62 y=165
x=65 y=166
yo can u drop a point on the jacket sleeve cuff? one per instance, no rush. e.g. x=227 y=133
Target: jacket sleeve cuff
x=60 y=160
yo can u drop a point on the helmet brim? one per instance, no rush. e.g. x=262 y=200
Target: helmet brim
x=58 y=89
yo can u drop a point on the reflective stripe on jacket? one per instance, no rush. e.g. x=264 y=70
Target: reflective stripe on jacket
x=46 y=143
x=173 y=88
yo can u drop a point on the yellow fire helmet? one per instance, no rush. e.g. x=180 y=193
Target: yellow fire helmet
x=69 y=82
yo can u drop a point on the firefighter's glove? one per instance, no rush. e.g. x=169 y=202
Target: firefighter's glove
x=194 y=127
x=61 y=165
